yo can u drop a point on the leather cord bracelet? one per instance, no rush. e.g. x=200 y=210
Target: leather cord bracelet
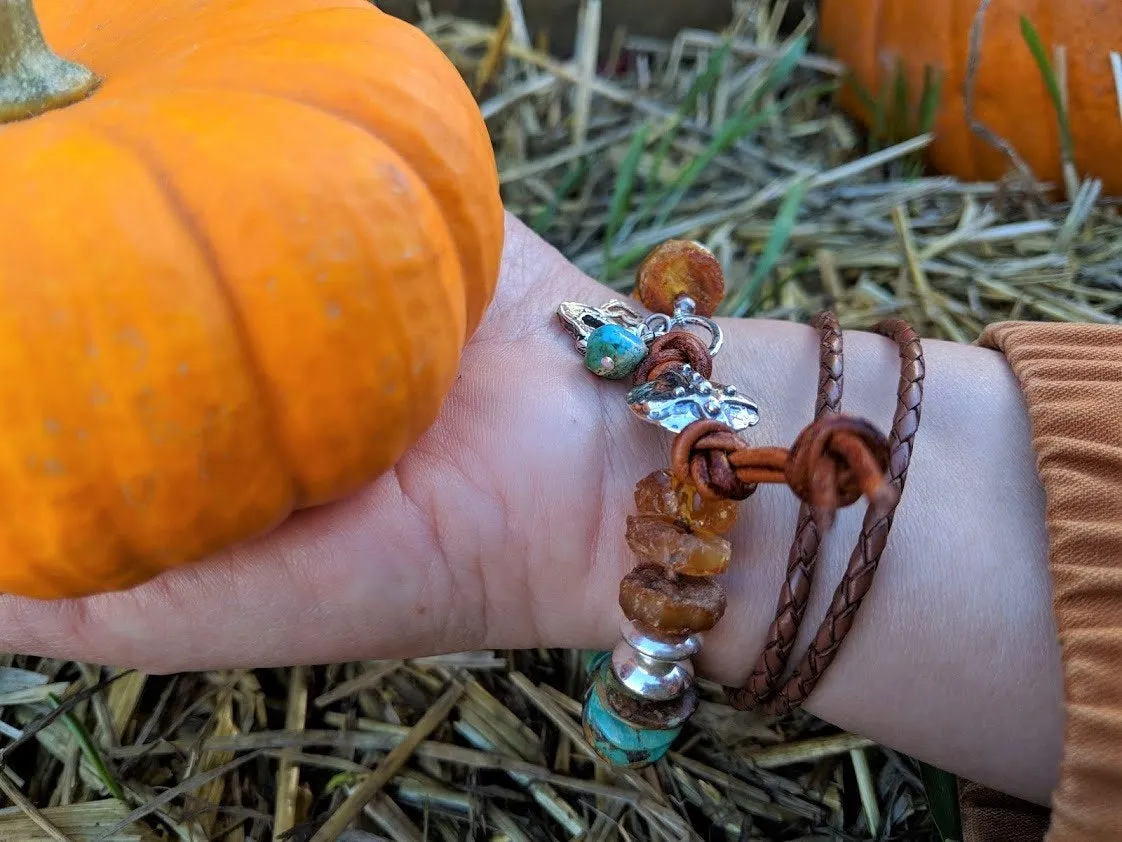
x=803 y=557
x=641 y=693
x=762 y=689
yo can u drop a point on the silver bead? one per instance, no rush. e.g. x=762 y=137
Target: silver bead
x=673 y=649
x=650 y=678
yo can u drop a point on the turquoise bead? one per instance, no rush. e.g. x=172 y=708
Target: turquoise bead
x=618 y=741
x=592 y=659
x=613 y=351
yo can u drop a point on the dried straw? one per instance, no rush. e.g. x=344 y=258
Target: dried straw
x=729 y=138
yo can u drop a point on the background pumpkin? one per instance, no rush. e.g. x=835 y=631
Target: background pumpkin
x=235 y=279
x=871 y=36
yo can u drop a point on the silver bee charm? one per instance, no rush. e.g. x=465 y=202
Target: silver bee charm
x=680 y=397
x=579 y=320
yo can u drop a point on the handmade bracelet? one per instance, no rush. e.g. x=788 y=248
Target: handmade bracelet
x=641 y=693
x=803 y=556
x=866 y=555
x=762 y=689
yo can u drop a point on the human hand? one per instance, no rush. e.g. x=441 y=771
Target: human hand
x=503 y=528
x=483 y=534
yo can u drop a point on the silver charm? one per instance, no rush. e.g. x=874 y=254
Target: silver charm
x=679 y=397
x=579 y=320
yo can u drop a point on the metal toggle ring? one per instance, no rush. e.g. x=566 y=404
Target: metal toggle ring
x=660 y=324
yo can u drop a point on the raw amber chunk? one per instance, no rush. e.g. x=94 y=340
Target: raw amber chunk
x=661 y=493
x=666 y=542
x=680 y=267
x=683 y=605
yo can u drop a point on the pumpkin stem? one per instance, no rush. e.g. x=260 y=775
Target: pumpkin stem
x=33 y=79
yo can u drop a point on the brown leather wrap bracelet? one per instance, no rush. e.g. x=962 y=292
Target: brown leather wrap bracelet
x=640 y=694
x=866 y=556
x=801 y=561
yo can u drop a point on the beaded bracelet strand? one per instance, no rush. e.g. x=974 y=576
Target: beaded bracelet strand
x=642 y=693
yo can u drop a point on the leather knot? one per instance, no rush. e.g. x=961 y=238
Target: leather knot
x=835 y=461
x=700 y=456
x=674 y=350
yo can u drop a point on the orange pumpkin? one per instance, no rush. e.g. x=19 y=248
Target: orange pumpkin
x=871 y=36
x=235 y=278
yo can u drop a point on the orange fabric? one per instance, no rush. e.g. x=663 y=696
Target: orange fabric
x=1071 y=376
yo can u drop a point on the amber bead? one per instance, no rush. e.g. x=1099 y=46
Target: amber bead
x=676 y=268
x=662 y=493
x=672 y=605
x=666 y=542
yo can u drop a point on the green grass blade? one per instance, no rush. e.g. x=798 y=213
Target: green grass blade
x=901 y=107
x=745 y=298
x=621 y=193
x=86 y=744
x=340 y=780
x=1044 y=64
x=573 y=177
x=874 y=107
x=942 y=798
x=707 y=81
x=784 y=66
x=627 y=258
x=739 y=124
x=730 y=132
x=929 y=99
x=880 y=133
x=704 y=84
x=868 y=101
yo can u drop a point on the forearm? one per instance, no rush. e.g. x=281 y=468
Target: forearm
x=953 y=657
x=504 y=527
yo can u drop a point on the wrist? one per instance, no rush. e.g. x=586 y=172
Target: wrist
x=959 y=615
x=776 y=363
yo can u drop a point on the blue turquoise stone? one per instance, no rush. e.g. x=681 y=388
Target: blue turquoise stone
x=592 y=659
x=618 y=741
x=613 y=351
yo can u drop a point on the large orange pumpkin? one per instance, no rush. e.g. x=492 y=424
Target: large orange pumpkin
x=235 y=278
x=871 y=36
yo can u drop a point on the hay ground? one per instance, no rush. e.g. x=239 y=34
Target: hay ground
x=729 y=138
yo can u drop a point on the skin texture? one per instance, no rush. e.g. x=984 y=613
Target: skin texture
x=504 y=527
x=237 y=278
x=1011 y=99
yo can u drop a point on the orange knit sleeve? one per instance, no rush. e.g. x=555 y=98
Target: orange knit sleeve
x=1071 y=377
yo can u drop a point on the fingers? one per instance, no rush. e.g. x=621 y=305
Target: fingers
x=493 y=544
x=331 y=584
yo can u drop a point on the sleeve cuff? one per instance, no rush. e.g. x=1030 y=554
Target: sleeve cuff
x=1071 y=378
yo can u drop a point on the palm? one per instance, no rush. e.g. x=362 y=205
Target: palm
x=496 y=509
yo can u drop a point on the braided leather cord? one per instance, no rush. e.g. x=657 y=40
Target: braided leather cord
x=874 y=533
x=803 y=556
